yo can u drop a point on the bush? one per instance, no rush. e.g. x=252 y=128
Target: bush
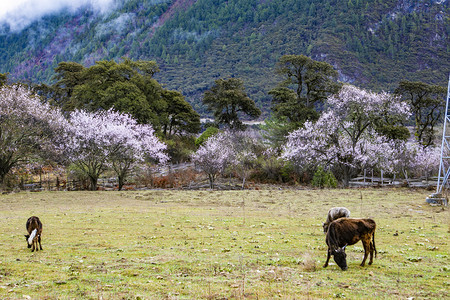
x=174 y=179
x=289 y=174
x=324 y=179
x=180 y=148
x=274 y=171
x=78 y=178
x=210 y=131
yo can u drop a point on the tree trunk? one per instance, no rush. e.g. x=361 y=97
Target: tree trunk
x=6 y=164
x=93 y=180
x=406 y=176
x=121 y=179
x=346 y=176
x=211 y=180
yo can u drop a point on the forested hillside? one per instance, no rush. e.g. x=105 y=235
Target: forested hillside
x=372 y=43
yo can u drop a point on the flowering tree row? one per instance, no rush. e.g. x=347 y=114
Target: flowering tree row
x=347 y=136
x=352 y=134
x=31 y=131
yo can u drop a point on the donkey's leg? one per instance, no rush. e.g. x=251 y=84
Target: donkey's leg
x=328 y=258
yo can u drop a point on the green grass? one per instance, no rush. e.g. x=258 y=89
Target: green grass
x=258 y=244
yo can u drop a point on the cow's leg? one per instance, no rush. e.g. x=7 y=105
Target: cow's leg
x=371 y=247
x=328 y=258
x=366 y=244
x=39 y=239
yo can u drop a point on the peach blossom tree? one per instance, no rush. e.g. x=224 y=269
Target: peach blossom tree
x=96 y=141
x=28 y=128
x=345 y=138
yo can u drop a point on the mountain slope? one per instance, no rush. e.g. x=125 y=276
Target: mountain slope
x=372 y=43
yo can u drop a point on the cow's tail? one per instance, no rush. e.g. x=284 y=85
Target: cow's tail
x=373 y=241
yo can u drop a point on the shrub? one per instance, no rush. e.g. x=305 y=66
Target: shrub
x=210 y=131
x=163 y=182
x=179 y=148
x=275 y=171
x=324 y=179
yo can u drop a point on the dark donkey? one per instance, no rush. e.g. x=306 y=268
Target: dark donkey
x=34 y=228
x=343 y=232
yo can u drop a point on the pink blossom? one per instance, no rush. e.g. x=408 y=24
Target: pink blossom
x=95 y=141
x=418 y=160
x=214 y=156
x=223 y=150
x=28 y=127
x=344 y=137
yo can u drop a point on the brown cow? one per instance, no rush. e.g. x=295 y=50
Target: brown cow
x=34 y=228
x=343 y=232
x=334 y=214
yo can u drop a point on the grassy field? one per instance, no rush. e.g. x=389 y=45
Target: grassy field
x=253 y=244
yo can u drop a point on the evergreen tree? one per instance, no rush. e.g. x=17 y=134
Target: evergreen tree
x=312 y=82
x=427 y=103
x=128 y=87
x=227 y=99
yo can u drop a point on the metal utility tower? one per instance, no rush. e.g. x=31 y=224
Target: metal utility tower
x=444 y=166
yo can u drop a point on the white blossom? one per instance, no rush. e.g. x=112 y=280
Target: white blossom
x=108 y=138
x=344 y=136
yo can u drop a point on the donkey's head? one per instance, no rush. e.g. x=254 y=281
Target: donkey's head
x=30 y=237
x=27 y=236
